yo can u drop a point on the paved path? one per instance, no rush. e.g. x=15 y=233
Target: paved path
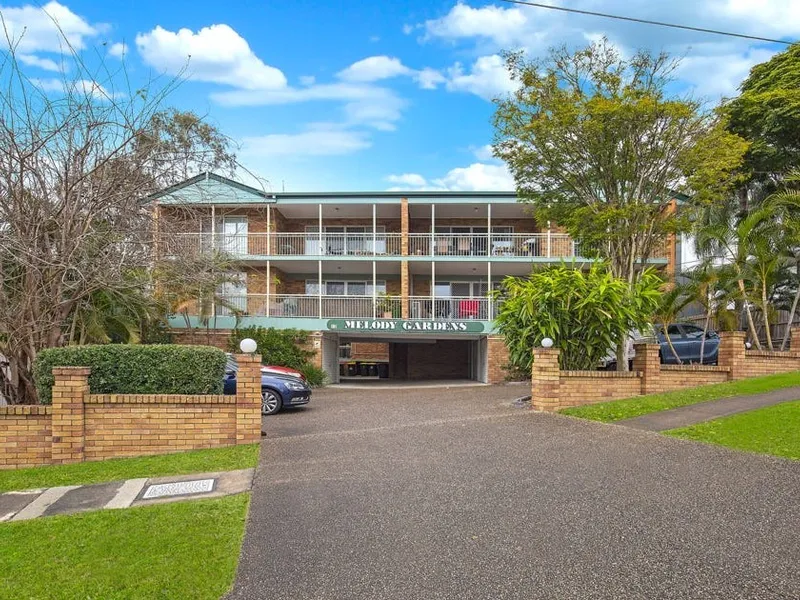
x=457 y=495
x=706 y=411
x=63 y=500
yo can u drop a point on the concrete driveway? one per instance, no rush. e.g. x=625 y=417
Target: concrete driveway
x=455 y=494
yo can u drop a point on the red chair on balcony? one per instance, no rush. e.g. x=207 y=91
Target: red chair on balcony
x=468 y=309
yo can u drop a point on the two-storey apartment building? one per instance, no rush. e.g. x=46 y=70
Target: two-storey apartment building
x=398 y=281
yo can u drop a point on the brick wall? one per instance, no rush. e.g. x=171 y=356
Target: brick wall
x=552 y=389
x=25 y=436
x=497 y=357
x=369 y=351
x=80 y=426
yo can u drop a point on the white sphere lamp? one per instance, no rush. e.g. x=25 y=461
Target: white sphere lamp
x=248 y=345
x=547 y=343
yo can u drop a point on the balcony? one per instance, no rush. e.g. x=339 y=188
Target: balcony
x=508 y=245
x=358 y=307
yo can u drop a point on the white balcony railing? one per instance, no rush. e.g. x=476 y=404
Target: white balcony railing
x=555 y=245
x=498 y=244
x=364 y=307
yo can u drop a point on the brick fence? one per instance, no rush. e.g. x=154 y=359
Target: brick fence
x=553 y=389
x=80 y=426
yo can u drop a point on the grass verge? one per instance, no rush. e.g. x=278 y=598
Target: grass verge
x=180 y=550
x=195 y=461
x=616 y=410
x=770 y=430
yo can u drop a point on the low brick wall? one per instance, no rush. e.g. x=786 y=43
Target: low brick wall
x=552 y=389
x=25 y=435
x=80 y=426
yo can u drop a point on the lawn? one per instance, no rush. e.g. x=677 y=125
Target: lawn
x=770 y=430
x=178 y=550
x=196 y=461
x=616 y=410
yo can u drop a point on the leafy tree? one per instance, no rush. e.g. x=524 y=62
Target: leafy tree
x=597 y=145
x=767 y=114
x=283 y=347
x=76 y=168
x=586 y=312
x=669 y=308
x=708 y=285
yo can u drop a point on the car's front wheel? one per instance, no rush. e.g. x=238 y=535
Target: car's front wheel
x=270 y=402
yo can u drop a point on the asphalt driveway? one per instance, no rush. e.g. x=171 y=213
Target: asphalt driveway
x=430 y=494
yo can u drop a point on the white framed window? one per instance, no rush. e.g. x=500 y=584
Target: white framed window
x=344 y=288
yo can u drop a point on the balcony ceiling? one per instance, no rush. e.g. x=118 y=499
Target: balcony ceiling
x=392 y=211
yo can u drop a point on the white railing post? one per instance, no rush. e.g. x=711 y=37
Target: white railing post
x=433 y=229
x=319 y=284
x=433 y=290
x=374 y=290
x=374 y=229
x=319 y=227
x=488 y=229
x=548 y=239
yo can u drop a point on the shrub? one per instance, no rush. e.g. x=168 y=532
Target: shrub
x=136 y=369
x=281 y=347
x=585 y=312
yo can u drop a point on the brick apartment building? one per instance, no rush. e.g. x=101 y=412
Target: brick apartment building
x=389 y=283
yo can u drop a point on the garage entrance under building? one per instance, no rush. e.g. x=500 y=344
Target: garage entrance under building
x=362 y=358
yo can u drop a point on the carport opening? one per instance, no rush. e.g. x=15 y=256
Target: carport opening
x=452 y=360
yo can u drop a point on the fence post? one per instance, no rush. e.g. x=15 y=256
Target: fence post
x=248 y=398
x=648 y=363
x=69 y=392
x=732 y=353
x=545 y=380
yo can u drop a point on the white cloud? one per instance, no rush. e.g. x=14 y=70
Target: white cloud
x=118 y=50
x=81 y=86
x=374 y=68
x=32 y=60
x=408 y=29
x=429 y=79
x=487 y=78
x=729 y=70
x=214 y=54
x=409 y=179
x=49 y=28
x=503 y=26
x=483 y=153
x=307 y=79
x=475 y=177
x=319 y=141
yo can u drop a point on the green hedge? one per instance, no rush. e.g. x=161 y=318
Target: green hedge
x=136 y=369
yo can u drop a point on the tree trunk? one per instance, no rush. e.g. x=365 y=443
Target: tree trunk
x=622 y=351
x=764 y=309
x=792 y=312
x=749 y=315
x=671 y=347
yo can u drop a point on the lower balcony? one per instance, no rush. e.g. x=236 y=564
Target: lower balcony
x=359 y=307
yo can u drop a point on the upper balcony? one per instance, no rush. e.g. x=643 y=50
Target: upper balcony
x=414 y=246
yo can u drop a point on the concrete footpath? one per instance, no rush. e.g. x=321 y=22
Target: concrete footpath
x=707 y=411
x=68 y=499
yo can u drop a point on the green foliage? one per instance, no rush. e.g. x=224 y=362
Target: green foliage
x=136 y=369
x=767 y=113
x=281 y=347
x=586 y=312
x=572 y=137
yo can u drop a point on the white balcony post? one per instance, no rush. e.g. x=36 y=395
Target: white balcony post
x=489 y=307
x=488 y=229
x=319 y=227
x=433 y=229
x=374 y=289
x=374 y=231
x=213 y=228
x=269 y=231
x=548 y=239
x=433 y=289
x=319 y=283
x=269 y=281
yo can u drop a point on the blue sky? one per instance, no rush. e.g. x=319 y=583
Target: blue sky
x=355 y=95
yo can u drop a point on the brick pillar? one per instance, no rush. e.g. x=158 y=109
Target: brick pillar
x=545 y=383
x=248 y=399
x=648 y=364
x=404 y=278
x=70 y=389
x=794 y=339
x=732 y=353
x=497 y=358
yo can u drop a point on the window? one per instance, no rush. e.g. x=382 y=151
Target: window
x=692 y=331
x=344 y=288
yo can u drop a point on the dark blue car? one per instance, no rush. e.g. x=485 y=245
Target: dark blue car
x=277 y=391
x=687 y=339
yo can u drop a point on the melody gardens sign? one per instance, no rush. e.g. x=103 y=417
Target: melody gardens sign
x=405 y=326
